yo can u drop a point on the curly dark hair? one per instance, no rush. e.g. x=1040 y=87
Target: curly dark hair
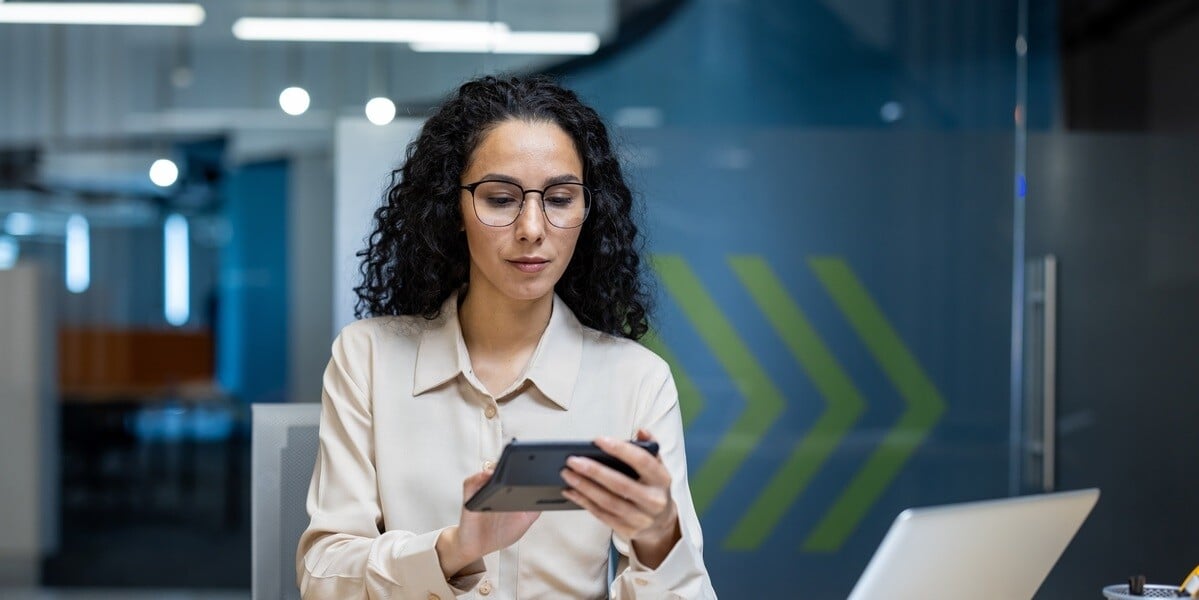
x=417 y=254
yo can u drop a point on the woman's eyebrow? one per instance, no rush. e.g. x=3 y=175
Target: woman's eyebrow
x=556 y=179
x=567 y=178
x=499 y=177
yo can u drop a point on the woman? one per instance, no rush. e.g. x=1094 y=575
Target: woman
x=506 y=294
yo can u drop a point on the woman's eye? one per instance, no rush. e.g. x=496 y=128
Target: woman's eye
x=500 y=200
x=559 y=201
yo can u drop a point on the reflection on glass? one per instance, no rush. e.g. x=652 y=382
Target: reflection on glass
x=176 y=277
x=78 y=255
x=19 y=223
x=9 y=251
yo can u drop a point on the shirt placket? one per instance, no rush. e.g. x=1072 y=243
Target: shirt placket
x=491 y=444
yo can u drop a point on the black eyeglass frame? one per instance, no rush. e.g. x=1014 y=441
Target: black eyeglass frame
x=474 y=201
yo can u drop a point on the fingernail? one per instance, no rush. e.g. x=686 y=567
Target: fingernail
x=605 y=441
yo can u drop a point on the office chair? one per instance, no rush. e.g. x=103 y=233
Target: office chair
x=283 y=452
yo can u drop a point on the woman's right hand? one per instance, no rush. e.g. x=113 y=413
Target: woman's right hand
x=479 y=533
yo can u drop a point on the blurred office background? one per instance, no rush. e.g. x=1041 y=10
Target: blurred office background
x=908 y=252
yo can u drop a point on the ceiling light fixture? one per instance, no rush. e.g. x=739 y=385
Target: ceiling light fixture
x=359 y=30
x=79 y=13
x=423 y=35
x=164 y=172
x=518 y=42
x=380 y=111
x=294 y=100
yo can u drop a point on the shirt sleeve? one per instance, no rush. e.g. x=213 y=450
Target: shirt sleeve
x=344 y=553
x=682 y=573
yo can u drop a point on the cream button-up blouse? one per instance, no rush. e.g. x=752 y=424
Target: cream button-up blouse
x=404 y=420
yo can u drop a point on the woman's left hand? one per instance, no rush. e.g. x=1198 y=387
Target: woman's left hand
x=639 y=510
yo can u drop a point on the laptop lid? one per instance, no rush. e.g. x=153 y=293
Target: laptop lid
x=1001 y=549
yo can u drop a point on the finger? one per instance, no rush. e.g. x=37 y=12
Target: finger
x=637 y=510
x=607 y=517
x=644 y=436
x=649 y=497
x=472 y=484
x=611 y=500
x=648 y=467
x=612 y=480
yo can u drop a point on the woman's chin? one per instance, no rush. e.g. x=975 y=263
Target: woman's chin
x=528 y=293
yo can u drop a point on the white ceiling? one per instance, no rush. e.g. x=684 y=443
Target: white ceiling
x=64 y=84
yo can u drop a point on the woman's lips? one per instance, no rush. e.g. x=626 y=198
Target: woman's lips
x=530 y=266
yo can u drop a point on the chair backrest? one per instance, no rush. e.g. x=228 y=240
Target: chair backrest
x=284 y=447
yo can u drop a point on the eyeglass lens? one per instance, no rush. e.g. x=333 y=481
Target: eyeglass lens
x=498 y=203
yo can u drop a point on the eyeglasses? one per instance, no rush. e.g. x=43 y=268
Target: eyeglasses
x=499 y=203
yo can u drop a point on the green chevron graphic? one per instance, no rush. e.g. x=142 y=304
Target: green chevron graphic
x=763 y=401
x=691 y=400
x=843 y=404
x=924 y=405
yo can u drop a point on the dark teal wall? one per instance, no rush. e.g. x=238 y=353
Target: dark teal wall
x=253 y=307
x=799 y=63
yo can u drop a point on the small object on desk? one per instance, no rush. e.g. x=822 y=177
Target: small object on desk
x=1136 y=585
x=1137 y=588
x=1190 y=585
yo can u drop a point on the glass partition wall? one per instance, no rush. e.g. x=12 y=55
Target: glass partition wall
x=834 y=196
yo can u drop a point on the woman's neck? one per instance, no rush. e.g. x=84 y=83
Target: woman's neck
x=492 y=326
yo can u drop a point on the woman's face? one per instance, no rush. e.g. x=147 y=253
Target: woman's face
x=524 y=260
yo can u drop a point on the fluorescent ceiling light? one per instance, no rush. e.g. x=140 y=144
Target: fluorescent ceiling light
x=361 y=30
x=518 y=42
x=90 y=13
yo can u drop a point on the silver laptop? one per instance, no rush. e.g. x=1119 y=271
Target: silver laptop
x=1000 y=549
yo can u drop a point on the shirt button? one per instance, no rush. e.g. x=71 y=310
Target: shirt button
x=485 y=587
x=488 y=465
x=641 y=581
x=433 y=596
x=489 y=412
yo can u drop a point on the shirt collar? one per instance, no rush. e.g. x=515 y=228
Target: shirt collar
x=554 y=368
x=441 y=355
x=555 y=365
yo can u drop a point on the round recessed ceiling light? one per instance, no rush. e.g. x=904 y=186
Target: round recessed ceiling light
x=164 y=173
x=380 y=111
x=294 y=100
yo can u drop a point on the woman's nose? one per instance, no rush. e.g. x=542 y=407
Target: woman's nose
x=530 y=224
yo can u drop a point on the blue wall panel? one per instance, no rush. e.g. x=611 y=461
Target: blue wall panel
x=252 y=311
